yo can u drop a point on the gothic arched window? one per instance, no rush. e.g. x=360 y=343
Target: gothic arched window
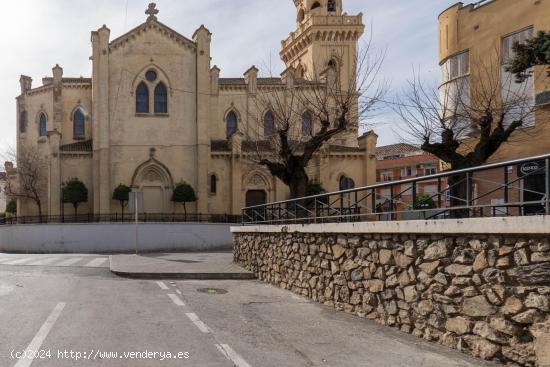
x=331 y=6
x=269 y=124
x=161 y=98
x=346 y=183
x=142 y=98
x=307 y=126
x=79 y=120
x=231 y=123
x=213 y=184
x=42 y=128
x=315 y=5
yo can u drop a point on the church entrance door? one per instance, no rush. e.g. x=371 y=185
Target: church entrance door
x=153 y=199
x=256 y=197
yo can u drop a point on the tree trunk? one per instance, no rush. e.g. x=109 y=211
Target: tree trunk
x=75 y=211
x=122 y=210
x=298 y=188
x=298 y=184
x=39 y=204
x=458 y=195
x=184 y=212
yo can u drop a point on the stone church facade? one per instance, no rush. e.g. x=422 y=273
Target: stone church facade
x=156 y=112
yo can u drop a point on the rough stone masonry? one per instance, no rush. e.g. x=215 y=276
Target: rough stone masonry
x=483 y=295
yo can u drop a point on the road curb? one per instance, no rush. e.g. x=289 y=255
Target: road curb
x=185 y=276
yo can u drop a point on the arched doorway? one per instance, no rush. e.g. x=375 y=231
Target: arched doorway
x=155 y=181
x=256 y=197
x=256 y=188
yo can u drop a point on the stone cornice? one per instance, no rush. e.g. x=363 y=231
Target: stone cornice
x=322 y=28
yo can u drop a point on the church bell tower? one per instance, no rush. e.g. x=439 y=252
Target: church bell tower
x=325 y=36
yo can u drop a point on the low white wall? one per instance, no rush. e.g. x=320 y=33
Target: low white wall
x=114 y=238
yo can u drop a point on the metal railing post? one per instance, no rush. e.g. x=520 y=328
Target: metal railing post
x=468 y=192
x=439 y=192
x=506 y=184
x=414 y=202
x=547 y=186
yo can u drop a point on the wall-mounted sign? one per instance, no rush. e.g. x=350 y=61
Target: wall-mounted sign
x=532 y=168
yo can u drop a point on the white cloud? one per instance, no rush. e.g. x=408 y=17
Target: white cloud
x=37 y=34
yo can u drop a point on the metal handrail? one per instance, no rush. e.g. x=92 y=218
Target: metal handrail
x=468 y=201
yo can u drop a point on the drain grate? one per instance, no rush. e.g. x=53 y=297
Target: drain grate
x=212 y=290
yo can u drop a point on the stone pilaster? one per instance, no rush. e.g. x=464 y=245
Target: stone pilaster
x=202 y=38
x=54 y=181
x=237 y=202
x=101 y=124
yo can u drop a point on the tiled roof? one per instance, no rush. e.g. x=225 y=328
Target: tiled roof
x=81 y=146
x=397 y=151
x=241 y=81
x=256 y=145
x=83 y=80
x=263 y=145
x=220 y=146
x=345 y=149
x=231 y=81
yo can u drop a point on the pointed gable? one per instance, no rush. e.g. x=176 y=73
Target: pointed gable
x=153 y=25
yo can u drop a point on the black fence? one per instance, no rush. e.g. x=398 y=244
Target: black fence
x=127 y=218
x=513 y=188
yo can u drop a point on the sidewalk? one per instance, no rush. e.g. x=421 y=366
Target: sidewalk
x=202 y=265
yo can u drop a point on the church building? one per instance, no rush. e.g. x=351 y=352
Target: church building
x=156 y=112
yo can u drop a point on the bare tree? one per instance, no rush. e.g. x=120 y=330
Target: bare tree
x=30 y=181
x=309 y=110
x=466 y=120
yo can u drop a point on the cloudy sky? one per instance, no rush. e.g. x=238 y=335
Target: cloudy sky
x=37 y=34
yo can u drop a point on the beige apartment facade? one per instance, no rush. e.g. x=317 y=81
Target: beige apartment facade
x=156 y=112
x=478 y=37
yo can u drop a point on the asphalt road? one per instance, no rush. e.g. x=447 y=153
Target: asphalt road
x=82 y=315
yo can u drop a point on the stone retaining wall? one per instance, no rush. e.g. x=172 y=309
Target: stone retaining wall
x=487 y=295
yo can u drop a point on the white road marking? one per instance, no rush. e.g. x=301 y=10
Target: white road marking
x=178 y=292
x=36 y=343
x=231 y=355
x=6 y=289
x=162 y=285
x=45 y=261
x=176 y=299
x=198 y=323
x=70 y=261
x=19 y=261
x=95 y=263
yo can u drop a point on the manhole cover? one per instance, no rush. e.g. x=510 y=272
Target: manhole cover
x=212 y=290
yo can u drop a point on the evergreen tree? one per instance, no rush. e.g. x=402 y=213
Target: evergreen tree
x=11 y=208
x=184 y=193
x=74 y=192
x=122 y=195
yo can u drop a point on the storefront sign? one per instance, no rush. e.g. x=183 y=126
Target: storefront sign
x=531 y=168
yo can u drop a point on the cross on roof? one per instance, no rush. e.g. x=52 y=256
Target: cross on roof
x=152 y=11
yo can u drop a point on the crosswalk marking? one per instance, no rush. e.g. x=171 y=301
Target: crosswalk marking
x=18 y=261
x=45 y=261
x=41 y=260
x=96 y=262
x=70 y=261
